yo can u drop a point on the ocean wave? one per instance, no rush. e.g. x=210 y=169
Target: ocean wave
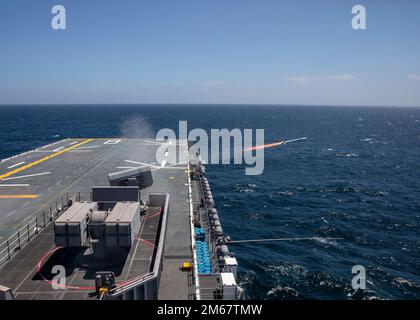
x=346 y=155
x=401 y=282
x=249 y=188
x=339 y=189
x=283 y=292
x=246 y=190
x=286 y=269
x=326 y=241
x=246 y=278
x=328 y=231
x=330 y=284
x=286 y=193
x=381 y=193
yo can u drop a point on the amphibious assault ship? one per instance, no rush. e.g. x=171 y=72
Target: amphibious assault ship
x=101 y=219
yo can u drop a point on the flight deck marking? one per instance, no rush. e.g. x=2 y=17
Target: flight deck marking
x=26 y=203
x=48 y=201
x=111 y=155
x=11 y=213
x=112 y=142
x=15 y=185
x=18 y=196
x=71 y=185
x=15 y=165
x=142 y=163
x=81 y=148
x=27 y=176
x=20 y=169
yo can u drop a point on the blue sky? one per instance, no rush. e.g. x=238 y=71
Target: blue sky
x=210 y=51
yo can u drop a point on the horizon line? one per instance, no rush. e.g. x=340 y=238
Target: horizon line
x=206 y=104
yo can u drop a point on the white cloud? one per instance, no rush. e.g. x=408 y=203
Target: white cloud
x=413 y=77
x=322 y=77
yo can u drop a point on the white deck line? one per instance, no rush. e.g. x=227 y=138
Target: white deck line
x=15 y=165
x=11 y=213
x=30 y=151
x=141 y=163
x=27 y=176
x=87 y=147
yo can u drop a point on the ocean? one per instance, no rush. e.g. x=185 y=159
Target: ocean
x=356 y=177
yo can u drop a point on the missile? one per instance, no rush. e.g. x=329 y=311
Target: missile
x=274 y=144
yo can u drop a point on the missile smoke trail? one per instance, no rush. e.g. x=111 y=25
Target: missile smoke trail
x=274 y=144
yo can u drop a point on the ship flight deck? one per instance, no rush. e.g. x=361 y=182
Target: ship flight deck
x=36 y=183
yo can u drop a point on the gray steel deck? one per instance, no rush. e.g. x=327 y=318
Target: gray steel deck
x=30 y=183
x=31 y=282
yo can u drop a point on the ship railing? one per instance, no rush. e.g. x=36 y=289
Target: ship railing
x=83 y=196
x=211 y=294
x=193 y=243
x=133 y=283
x=27 y=231
x=152 y=277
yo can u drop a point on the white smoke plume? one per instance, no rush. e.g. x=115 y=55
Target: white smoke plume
x=137 y=126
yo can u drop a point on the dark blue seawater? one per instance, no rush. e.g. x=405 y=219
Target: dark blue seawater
x=356 y=177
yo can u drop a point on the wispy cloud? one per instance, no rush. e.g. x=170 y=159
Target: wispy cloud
x=413 y=77
x=322 y=77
